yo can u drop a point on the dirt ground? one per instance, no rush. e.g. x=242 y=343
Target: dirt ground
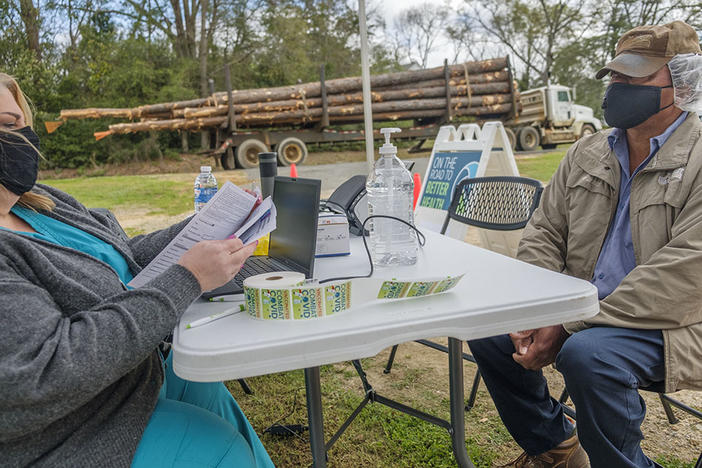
x=682 y=440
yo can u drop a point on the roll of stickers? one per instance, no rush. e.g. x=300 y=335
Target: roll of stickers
x=287 y=295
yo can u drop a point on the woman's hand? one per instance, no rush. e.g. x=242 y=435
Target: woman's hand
x=258 y=198
x=213 y=263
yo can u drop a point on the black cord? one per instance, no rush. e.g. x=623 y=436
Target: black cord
x=420 y=236
x=288 y=429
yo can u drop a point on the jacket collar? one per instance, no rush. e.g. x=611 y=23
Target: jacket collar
x=597 y=159
x=675 y=152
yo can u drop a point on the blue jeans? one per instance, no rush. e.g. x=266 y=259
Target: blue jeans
x=603 y=369
x=198 y=425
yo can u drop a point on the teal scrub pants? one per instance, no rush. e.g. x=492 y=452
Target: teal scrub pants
x=198 y=425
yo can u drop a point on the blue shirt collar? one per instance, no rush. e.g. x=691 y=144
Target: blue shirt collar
x=617 y=142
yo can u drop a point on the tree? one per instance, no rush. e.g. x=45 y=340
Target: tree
x=75 y=14
x=30 y=17
x=622 y=15
x=536 y=31
x=469 y=41
x=417 y=31
x=125 y=53
x=299 y=36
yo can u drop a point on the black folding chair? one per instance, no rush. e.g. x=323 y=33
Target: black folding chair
x=499 y=203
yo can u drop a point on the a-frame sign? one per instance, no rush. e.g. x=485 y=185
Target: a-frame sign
x=466 y=151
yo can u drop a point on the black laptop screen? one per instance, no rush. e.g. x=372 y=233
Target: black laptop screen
x=295 y=237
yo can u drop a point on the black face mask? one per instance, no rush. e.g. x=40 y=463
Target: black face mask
x=19 y=161
x=626 y=105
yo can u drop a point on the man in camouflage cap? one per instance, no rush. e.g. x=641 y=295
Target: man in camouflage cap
x=623 y=211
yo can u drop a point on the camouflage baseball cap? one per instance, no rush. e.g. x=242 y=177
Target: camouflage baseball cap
x=643 y=50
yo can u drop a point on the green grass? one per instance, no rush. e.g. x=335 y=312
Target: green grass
x=154 y=194
x=673 y=462
x=379 y=436
x=541 y=167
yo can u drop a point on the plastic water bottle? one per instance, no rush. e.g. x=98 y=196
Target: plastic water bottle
x=205 y=187
x=390 y=191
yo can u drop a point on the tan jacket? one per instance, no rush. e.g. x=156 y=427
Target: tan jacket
x=664 y=291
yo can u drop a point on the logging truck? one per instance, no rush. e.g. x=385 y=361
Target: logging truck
x=243 y=123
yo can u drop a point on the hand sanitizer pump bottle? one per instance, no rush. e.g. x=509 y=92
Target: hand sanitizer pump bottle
x=390 y=192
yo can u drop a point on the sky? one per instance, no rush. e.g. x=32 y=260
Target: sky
x=390 y=9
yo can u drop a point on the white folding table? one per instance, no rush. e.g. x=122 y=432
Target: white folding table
x=498 y=295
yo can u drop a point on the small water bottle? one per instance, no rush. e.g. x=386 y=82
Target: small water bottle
x=390 y=192
x=205 y=187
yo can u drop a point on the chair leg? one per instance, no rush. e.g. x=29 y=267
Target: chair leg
x=564 y=396
x=388 y=366
x=563 y=399
x=245 y=387
x=672 y=419
x=473 y=391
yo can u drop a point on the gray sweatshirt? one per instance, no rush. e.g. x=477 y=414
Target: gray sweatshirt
x=79 y=369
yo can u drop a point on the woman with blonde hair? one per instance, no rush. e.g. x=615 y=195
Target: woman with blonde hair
x=81 y=377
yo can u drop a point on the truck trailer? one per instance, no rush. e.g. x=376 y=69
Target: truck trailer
x=285 y=119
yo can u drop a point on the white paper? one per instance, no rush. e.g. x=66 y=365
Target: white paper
x=225 y=214
x=260 y=223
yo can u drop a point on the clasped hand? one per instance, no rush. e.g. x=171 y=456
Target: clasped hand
x=535 y=349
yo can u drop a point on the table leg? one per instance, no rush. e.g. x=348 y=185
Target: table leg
x=314 y=415
x=457 y=411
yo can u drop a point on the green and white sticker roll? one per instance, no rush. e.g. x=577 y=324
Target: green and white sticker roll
x=287 y=295
x=267 y=295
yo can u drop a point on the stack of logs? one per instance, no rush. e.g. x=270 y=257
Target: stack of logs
x=482 y=88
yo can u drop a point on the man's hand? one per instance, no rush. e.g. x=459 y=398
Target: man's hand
x=536 y=349
x=522 y=340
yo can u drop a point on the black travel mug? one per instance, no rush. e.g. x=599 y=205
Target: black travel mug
x=268 y=168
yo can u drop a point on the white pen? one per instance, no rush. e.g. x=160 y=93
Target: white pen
x=227 y=298
x=213 y=317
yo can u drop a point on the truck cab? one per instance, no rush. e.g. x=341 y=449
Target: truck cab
x=564 y=112
x=549 y=116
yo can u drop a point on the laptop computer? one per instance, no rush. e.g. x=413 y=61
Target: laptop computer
x=293 y=242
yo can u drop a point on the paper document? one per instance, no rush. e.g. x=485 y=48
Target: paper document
x=260 y=223
x=225 y=214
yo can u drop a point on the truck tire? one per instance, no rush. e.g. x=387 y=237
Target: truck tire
x=529 y=138
x=291 y=151
x=511 y=137
x=228 y=160
x=587 y=129
x=247 y=152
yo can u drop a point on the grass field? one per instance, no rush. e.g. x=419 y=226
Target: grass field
x=380 y=437
x=156 y=194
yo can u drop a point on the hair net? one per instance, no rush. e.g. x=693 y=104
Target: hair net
x=686 y=72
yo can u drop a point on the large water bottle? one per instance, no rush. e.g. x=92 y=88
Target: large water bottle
x=205 y=187
x=390 y=192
